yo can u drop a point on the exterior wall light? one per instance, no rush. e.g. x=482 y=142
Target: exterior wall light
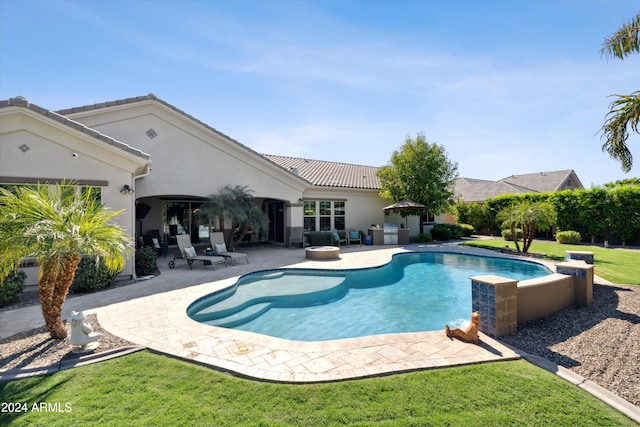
x=126 y=189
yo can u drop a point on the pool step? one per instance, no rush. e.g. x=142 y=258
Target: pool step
x=243 y=316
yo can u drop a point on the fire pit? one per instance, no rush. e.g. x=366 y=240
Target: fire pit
x=322 y=252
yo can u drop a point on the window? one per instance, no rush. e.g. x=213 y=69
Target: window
x=94 y=192
x=324 y=215
x=309 y=215
x=428 y=218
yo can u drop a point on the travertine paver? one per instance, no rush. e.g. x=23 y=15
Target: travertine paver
x=160 y=322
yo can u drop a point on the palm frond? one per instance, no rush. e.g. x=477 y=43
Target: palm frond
x=624 y=41
x=623 y=116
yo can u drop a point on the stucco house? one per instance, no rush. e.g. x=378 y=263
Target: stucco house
x=479 y=190
x=160 y=164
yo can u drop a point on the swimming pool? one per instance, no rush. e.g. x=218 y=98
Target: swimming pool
x=414 y=292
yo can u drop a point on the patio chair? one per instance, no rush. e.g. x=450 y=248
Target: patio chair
x=220 y=248
x=353 y=236
x=187 y=252
x=298 y=238
x=338 y=240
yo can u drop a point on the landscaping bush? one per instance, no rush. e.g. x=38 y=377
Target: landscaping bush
x=91 y=276
x=568 y=237
x=145 y=261
x=12 y=287
x=456 y=230
x=467 y=230
x=320 y=238
x=424 y=238
x=506 y=234
x=441 y=232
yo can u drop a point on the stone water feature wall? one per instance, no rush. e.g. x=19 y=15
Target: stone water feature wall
x=503 y=302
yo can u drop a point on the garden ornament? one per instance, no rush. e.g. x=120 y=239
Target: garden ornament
x=83 y=338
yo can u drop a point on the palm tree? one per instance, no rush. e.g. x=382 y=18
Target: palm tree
x=624 y=112
x=56 y=225
x=529 y=217
x=236 y=203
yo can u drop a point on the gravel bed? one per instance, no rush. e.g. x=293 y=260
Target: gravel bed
x=35 y=348
x=600 y=342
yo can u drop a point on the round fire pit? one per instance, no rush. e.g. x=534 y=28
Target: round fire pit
x=322 y=252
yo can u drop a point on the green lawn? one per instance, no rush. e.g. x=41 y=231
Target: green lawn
x=616 y=265
x=153 y=390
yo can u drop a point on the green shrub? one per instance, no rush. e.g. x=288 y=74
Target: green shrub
x=424 y=238
x=568 y=237
x=467 y=229
x=12 y=287
x=456 y=230
x=506 y=234
x=91 y=276
x=321 y=238
x=145 y=261
x=441 y=232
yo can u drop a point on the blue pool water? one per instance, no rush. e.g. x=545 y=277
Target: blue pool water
x=414 y=292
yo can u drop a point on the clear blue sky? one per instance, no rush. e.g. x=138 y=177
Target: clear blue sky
x=506 y=87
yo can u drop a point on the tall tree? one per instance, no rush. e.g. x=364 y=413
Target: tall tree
x=56 y=225
x=529 y=217
x=624 y=111
x=421 y=172
x=624 y=211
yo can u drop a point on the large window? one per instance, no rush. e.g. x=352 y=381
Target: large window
x=324 y=215
x=182 y=217
x=95 y=192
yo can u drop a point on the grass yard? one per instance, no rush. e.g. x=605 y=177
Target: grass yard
x=615 y=265
x=150 y=389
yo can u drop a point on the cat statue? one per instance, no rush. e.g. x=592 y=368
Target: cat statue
x=470 y=333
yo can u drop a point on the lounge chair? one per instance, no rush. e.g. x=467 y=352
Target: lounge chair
x=187 y=252
x=220 y=248
x=353 y=236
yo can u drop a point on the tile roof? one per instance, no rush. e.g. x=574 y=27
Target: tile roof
x=479 y=190
x=543 y=182
x=24 y=103
x=330 y=174
x=344 y=175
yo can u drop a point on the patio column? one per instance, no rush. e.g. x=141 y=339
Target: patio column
x=496 y=298
x=582 y=280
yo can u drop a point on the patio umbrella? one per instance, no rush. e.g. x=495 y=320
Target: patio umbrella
x=404 y=206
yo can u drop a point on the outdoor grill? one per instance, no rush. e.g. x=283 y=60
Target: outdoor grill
x=390 y=233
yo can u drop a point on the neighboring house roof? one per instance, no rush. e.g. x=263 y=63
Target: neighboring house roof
x=479 y=190
x=330 y=174
x=546 y=182
x=24 y=103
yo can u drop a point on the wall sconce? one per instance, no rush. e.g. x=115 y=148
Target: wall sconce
x=300 y=200
x=126 y=189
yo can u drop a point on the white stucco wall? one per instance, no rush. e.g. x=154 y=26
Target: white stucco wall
x=51 y=155
x=188 y=158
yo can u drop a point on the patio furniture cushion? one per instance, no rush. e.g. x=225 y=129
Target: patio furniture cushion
x=191 y=252
x=218 y=249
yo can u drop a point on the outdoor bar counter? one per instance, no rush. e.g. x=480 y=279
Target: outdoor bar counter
x=377 y=234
